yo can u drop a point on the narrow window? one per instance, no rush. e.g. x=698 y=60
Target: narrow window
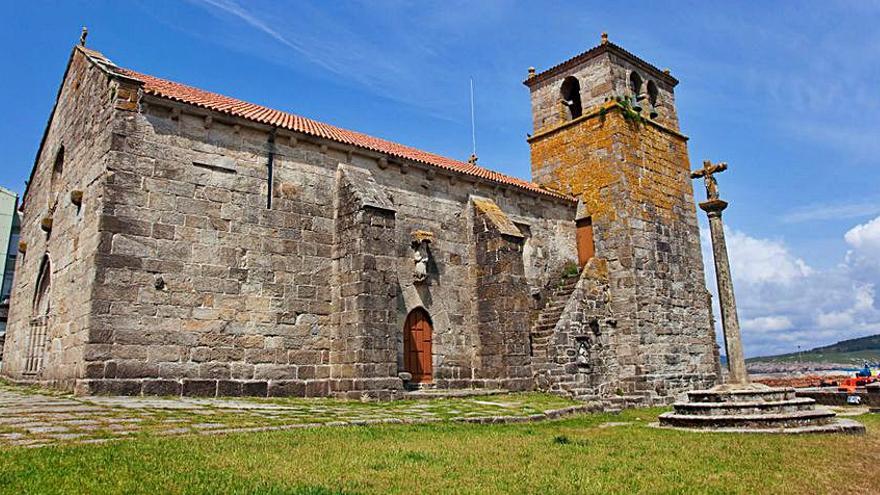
x=585 y=246
x=571 y=96
x=58 y=167
x=57 y=173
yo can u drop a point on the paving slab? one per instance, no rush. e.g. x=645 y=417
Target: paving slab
x=32 y=419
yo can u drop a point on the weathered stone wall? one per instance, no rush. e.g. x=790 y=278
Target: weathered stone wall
x=81 y=122
x=190 y=283
x=441 y=205
x=632 y=178
x=209 y=291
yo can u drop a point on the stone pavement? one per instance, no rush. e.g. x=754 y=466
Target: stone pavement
x=31 y=418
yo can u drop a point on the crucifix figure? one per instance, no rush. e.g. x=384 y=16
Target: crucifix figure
x=708 y=174
x=713 y=206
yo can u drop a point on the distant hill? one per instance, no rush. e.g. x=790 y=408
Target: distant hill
x=855 y=351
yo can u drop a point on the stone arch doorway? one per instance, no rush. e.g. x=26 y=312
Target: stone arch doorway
x=418 y=334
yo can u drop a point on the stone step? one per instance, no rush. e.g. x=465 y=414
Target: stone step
x=553 y=309
x=758 y=407
x=815 y=417
x=751 y=395
x=548 y=320
x=543 y=329
x=840 y=425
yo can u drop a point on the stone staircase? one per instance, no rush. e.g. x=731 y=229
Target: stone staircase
x=542 y=331
x=545 y=364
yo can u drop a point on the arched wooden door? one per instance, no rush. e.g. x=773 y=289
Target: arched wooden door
x=417 y=335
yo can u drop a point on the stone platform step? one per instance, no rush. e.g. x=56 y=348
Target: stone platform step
x=844 y=426
x=815 y=417
x=749 y=395
x=438 y=393
x=754 y=407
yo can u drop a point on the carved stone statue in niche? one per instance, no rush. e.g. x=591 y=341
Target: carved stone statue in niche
x=583 y=353
x=421 y=254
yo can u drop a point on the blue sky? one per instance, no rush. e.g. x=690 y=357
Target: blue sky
x=787 y=93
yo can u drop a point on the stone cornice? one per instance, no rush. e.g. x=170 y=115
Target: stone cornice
x=600 y=111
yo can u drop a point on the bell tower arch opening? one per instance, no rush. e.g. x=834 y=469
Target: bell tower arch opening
x=635 y=87
x=570 y=93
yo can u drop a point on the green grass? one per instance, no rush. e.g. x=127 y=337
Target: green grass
x=569 y=456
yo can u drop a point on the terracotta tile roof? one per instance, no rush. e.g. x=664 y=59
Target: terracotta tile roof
x=264 y=115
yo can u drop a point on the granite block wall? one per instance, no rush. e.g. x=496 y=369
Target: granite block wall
x=82 y=125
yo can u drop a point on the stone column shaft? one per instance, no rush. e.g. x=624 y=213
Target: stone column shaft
x=729 y=320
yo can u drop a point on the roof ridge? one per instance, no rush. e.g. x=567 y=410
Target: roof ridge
x=595 y=51
x=210 y=100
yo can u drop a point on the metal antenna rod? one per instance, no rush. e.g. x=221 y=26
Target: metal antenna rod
x=473 y=125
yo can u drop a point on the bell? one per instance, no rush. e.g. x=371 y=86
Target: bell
x=636 y=105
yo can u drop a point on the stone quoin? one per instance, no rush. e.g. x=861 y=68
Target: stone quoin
x=201 y=245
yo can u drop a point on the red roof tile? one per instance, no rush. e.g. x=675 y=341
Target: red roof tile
x=264 y=115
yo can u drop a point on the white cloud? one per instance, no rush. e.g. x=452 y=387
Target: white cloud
x=759 y=261
x=837 y=212
x=834 y=319
x=865 y=236
x=864 y=243
x=768 y=323
x=390 y=60
x=784 y=303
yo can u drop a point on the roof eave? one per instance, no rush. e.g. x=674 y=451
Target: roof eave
x=593 y=53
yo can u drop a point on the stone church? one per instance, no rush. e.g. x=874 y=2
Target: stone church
x=177 y=241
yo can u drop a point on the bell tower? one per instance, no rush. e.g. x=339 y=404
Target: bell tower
x=606 y=131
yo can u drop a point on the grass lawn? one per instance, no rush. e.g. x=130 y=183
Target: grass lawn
x=583 y=454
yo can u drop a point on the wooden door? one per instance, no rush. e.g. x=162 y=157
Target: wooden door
x=586 y=248
x=417 y=334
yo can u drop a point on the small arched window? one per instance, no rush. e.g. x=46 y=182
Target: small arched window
x=635 y=85
x=41 y=305
x=57 y=172
x=652 y=93
x=571 y=96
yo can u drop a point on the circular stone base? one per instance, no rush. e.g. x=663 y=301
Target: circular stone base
x=753 y=408
x=844 y=426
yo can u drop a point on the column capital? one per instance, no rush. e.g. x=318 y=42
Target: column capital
x=713 y=206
